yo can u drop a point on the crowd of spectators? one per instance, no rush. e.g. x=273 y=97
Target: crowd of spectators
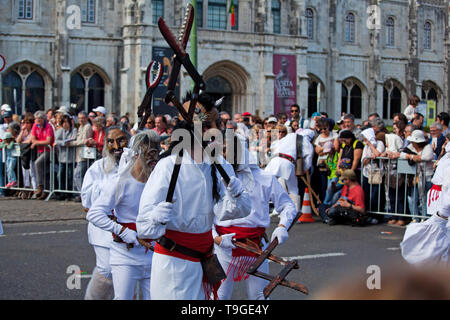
x=368 y=149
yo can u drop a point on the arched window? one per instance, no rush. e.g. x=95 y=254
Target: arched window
x=217 y=14
x=157 y=10
x=276 y=14
x=351 y=99
x=344 y=100
x=309 y=23
x=356 y=101
x=12 y=91
x=312 y=98
x=350 y=28
x=77 y=91
x=218 y=87
x=390 y=32
x=87 y=89
x=427 y=35
x=34 y=93
x=392 y=101
x=96 y=94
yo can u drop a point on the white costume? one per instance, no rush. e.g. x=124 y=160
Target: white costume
x=122 y=193
x=440 y=178
x=262 y=187
x=429 y=241
x=284 y=169
x=188 y=222
x=100 y=286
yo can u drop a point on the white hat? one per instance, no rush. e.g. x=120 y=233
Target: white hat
x=100 y=109
x=6 y=107
x=63 y=109
x=417 y=136
x=272 y=119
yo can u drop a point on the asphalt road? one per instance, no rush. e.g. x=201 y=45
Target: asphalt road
x=35 y=257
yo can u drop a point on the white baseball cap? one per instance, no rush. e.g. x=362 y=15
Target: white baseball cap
x=272 y=119
x=6 y=107
x=100 y=109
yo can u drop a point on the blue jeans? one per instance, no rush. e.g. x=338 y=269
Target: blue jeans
x=330 y=196
x=2 y=174
x=11 y=168
x=80 y=171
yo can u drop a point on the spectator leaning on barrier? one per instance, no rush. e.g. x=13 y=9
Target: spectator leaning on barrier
x=437 y=138
x=66 y=154
x=84 y=133
x=419 y=152
x=350 y=152
x=350 y=206
x=98 y=139
x=28 y=168
x=42 y=136
x=418 y=121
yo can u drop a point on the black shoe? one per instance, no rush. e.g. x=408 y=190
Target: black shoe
x=331 y=222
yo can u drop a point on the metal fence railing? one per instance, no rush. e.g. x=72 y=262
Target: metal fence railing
x=396 y=187
x=55 y=168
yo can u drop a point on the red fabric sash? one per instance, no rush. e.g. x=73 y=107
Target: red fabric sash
x=202 y=242
x=253 y=234
x=287 y=157
x=434 y=194
x=242 y=259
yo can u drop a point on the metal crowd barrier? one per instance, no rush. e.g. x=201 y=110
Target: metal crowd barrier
x=59 y=170
x=400 y=189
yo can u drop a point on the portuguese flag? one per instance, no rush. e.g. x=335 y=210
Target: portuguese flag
x=233 y=15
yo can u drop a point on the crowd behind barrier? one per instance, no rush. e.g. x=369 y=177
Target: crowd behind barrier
x=46 y=155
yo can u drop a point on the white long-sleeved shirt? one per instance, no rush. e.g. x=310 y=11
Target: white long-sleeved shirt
x=121 y=193
x=92 y=185
x=427 y=242
x=194 y=206
x=264 y=188
x=283 y=168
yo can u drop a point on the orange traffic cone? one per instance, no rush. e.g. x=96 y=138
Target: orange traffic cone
x=306 y=209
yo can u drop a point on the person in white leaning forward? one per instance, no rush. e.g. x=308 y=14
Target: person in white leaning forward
x=282 y=165
x=429 y=242
x=200 y=195
x=100 y=286
x=262 y=187
x=130 y=261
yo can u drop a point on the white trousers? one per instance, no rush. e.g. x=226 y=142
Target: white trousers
x=176 y=279
x=126 y=278
x=255 y=285
x=29 y=175
x=102 y=261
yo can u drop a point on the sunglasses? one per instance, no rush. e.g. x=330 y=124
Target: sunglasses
x=323 y=129
x=292 y=111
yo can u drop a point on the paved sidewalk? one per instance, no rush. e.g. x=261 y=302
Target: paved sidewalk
x=13 y=210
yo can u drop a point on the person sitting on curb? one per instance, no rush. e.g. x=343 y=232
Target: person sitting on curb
x=350 y=206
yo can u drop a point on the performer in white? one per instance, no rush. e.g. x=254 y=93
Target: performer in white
x=200 y=195
x=429 y=242
x=130 y=261
x=100 y=286
x=439 y=178
x=262 y=187
x=282 y=165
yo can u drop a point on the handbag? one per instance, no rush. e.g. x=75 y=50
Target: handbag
x=375 y=176
x=88 y=153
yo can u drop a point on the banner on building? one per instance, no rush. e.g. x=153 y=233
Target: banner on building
x=285 y=84
x=164 y=57
x=431 y=112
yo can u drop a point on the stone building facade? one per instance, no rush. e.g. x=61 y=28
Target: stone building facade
x=358 y=56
